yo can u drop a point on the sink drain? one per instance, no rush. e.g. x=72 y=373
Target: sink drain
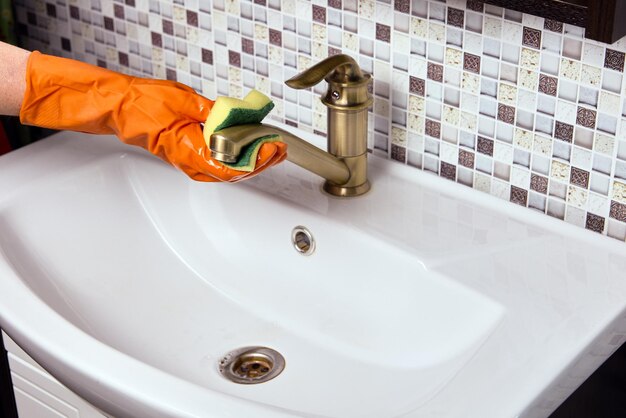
x=251 y=365
x=302 y=240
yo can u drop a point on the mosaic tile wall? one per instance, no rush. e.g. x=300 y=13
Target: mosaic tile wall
x=510 y=104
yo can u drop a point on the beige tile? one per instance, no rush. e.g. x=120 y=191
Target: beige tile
x=419 y=27
x=416 y=123
x=470 y=83
x=367 y=8
x=528 y=79
x=507 y=94
x=492 y=27
x=523 y=139
x=576 y=196
x=260 y=32
x=417 y=105
x=570 y=69
x=350 y=41
x=398 y=136
x=559 y=171
x=542 y=145
x=590 y=75
x=275 y=55
x=619 y=192
x=529 y=59
x=318 y=33
x=451 y=115
x=454 y=57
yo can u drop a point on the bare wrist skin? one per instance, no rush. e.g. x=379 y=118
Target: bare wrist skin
x=13 y=61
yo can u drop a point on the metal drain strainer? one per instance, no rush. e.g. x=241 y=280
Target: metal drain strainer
x=251 y=365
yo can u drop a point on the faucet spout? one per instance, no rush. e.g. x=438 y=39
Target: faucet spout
x=226 y=146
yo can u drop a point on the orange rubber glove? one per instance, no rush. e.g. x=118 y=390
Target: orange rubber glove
x=161 y=116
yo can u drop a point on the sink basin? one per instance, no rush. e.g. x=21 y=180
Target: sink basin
x=422 y=298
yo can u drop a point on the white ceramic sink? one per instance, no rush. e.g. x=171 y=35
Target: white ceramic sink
x=129 y=282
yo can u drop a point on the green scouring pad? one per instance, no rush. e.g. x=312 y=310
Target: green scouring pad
x=247 y=158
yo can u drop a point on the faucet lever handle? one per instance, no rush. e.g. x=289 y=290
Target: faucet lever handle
x=338 y=68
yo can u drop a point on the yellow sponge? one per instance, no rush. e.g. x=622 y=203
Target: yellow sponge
x=228 y=111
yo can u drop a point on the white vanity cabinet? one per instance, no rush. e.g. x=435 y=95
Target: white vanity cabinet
x=38 y=394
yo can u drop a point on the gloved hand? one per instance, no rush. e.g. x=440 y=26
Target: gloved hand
x=161 y=116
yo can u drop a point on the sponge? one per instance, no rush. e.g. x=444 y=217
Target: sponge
x=228 y=111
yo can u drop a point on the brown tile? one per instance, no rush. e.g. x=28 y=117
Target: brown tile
x=586 y=117
x=207 y=56
x=118 y=11
x=485 y=146
x=448 y=171
x=276 y=37
x=170 y=74
x=130 y=3
x=398 y=153
x=519 y=196
x=435 y=72
x=192 y=18
x=74 y=12
x=466 y=158
x=319 y=14
x=547 y=84
x=553 y=25
x=579 y=177
x=614 y=60
x=539 y=183
x=335 y=4
x=168 y=27
x=618 y=211
x=157 y=39
x=475 y=5
x=66 y=45
x=563 y=131
x=261 y=2
x=247 y=46
x=471 y=63
x=31 y=18
x=594 y=223
x=383 y=32
x=456 y=17
x=234 y=58
x=531 y=37
x=417 y=86
x=51 y=10
x=108 y=23
x=432 y=128
x=506 y=113
x=401 y=6
x=123 y=58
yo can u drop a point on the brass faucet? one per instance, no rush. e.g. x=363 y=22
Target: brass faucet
x=344 y=166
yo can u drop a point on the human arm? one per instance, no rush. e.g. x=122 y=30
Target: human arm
x=161 y=116
x=13 y=73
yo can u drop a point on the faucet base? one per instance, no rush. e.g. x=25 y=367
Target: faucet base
x=343 y=191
